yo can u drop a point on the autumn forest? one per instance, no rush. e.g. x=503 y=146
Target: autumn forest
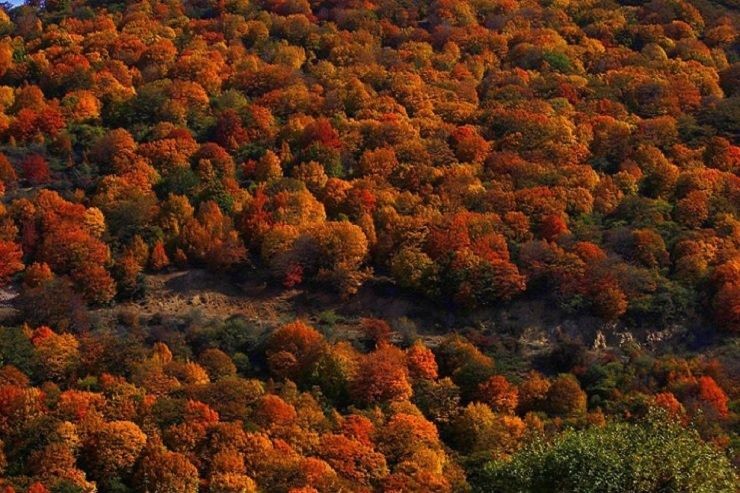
x=444 y=246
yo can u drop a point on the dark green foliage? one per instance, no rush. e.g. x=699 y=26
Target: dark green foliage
x=16 y=349
x=649 y=457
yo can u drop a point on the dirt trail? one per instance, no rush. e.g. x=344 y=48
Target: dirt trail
x=206 y=295
x=528 y=323
x=214 y=296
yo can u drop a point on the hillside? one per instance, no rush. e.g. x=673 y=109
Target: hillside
x=302 y=246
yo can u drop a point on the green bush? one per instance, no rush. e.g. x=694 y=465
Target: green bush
x=650 y=457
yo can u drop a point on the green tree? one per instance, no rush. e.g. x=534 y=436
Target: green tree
x=649 y=457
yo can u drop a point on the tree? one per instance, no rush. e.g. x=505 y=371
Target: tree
x=719 y=153
x=210 y=160
x=128 y=270
x=469 y=146
x=421 y=362
x=693 y=210
x=228 y=474
x=158 y=259
x=36 y=170
x=619 y=457
x=668 y=402
x=229 y=132
x=659 y=175
x=338 y=250
x=80 y=106
x=335 y=370
x=565 y=397
x=162 y=471
x=6 y=55
x=272 y=411
x=498 y=393
x=608 y=299
x=54 y=302
x=405 y=435
x=58 y=353
x=378 y=162
x=11 y=260
x=439 y=401
x=231 y=483
x=478 y=429
x=68 y=247
x=7 y=172
x=712 y=396
x=649 y=248
x=411 y=268
x=268 y=167
x=576 y=157
x=353 y=460
x=210 y=239
x=726 y=278
x=382 y=376
x=313 y=175
x=552 y=227
x=293 y=349
x=358 y=428
x=113 y=448
x=464 y=363
x=217 y=363
x=375 y=331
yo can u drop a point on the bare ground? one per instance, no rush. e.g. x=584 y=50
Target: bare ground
x=525 y=328
x=529 y=322
x=213 y=296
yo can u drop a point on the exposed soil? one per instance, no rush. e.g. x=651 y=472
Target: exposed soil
x=524 y=329
x=212 y=296
x=530 y=322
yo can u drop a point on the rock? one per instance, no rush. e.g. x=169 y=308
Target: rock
x=599 y=341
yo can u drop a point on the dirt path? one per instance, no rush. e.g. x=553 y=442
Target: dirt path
x=214 y=296
x=200 y=294
x=529 y=324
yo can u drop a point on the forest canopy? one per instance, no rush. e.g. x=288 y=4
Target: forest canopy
x=471 y=154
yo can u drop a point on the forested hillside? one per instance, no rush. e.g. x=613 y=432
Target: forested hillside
x=472 y=154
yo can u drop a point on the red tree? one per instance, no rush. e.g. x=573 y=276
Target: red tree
x=36 y=170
